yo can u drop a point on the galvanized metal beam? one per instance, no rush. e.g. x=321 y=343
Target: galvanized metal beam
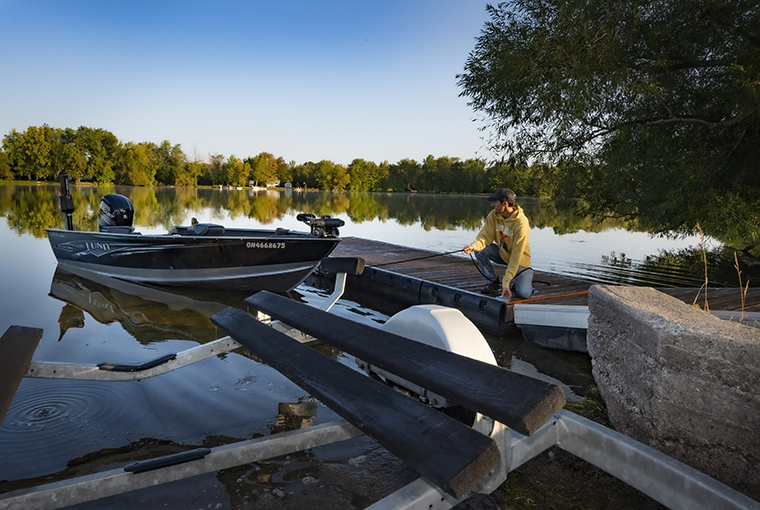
x=49 y=370
x=662 y=478
x=118 y=481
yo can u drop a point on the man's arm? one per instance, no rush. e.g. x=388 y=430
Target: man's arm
x=486 y=236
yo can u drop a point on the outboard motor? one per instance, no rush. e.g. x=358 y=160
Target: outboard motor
x=116 y=214
x=325 y=226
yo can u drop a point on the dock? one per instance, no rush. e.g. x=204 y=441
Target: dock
x=413 y=276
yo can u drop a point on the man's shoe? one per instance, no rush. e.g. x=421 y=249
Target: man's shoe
x=491 y=288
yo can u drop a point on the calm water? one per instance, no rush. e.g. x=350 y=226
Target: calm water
x=58 y=429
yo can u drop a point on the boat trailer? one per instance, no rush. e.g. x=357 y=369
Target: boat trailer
x=516 y=417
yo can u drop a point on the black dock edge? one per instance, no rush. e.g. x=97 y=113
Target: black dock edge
x=488 y=313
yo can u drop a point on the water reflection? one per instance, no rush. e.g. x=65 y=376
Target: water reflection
x=148 y=314
x=608 y=251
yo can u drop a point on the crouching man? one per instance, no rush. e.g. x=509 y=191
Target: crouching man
x=504 y=240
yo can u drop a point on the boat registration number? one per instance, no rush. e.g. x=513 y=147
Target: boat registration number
x=268 y=246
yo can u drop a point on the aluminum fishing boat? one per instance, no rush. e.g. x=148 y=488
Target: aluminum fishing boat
x=201 y=255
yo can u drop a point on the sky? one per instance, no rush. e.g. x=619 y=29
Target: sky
x=303 y=80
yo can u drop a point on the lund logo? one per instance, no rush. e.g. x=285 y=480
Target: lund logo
x=97 y=249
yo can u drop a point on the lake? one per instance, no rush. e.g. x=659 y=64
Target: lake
x=57 y=429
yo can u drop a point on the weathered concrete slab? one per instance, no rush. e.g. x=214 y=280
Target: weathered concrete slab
x=680 y=380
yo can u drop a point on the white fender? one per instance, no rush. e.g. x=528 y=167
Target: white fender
x=442 y=327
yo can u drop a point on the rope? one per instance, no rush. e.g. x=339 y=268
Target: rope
x=418 y=258
x=484 y=276
x=531 y=300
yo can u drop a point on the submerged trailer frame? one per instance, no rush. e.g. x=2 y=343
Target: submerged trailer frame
x=664 y=479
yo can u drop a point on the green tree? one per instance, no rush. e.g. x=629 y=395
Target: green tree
x=102 y=151
x=332 y=177
x=284 y=171
x=264 y=169
x=213 y=173
x=5 y=167
x=362 y=174
x=31 y=152
x=139 y=165
x=304 y=175
x=404 y=175
x=189 y=174
x=171 y=161
x=70 y=158
x=236 y=172
x=469 y=176
x=657 y=101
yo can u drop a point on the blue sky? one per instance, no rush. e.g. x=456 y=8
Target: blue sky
x=304 y=80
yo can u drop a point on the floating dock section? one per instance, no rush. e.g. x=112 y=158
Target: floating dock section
x=409 y=276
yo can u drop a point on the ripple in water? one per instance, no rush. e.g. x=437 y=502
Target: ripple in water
x=50 y=422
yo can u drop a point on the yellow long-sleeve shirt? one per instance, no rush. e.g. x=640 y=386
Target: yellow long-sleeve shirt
x=511 y=234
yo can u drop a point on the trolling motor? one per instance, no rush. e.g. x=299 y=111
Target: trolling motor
x=324 y=226
x=66 y=203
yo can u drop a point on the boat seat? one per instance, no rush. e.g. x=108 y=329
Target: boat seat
x=206 y=229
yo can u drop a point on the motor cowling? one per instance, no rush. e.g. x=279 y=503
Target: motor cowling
x=115 y=211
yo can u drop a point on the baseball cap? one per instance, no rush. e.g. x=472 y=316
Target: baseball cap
x=503 y=195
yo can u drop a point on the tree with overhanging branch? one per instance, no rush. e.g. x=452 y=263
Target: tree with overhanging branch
x=650 y=110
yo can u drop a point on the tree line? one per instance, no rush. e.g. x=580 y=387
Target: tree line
x=94 y=154
x=31 y=208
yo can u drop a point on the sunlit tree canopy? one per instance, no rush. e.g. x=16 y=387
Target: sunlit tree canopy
x=648 y=109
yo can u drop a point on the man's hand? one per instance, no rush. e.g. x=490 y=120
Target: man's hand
x=467 y=250
x=506 y=293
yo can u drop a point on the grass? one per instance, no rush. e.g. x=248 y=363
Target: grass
x=743 y=288
x=704 y=258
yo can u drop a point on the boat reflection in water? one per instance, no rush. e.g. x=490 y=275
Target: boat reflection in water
x=147 y=313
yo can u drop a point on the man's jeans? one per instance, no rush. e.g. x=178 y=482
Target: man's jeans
x=523 y=280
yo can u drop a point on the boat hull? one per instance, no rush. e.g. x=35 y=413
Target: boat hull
x=240 y=259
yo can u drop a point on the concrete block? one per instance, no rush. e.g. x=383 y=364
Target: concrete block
x=680 y=380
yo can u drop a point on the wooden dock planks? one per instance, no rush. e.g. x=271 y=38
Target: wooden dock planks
x=521 y=402
x=459 y=272
x=17 y=347
x=450 y=454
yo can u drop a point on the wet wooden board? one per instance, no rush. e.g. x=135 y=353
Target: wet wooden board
x=458 y=271
x=17 y=347
x=521 y=402
x=447 y=452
